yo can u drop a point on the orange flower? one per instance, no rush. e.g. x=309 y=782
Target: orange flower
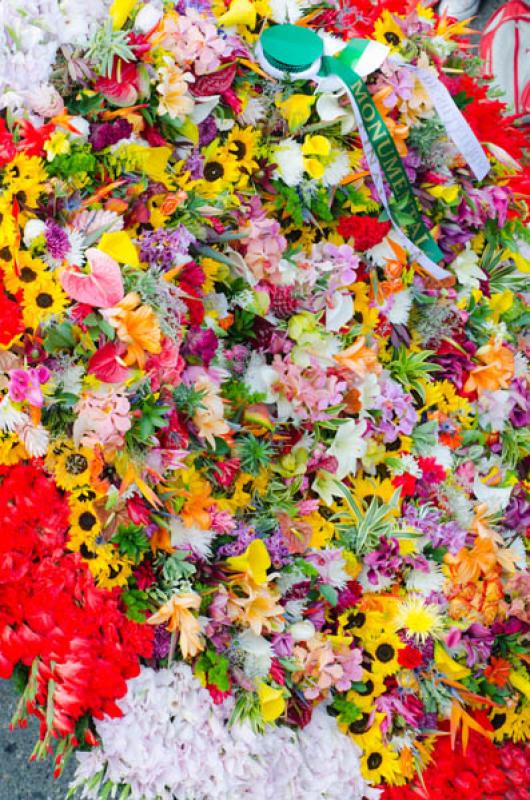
x=474 y=588
x=359 y=359
x=194 y=512
x=498 y=671
x=259 y=609
x=497 y=369
x=176 y=612
x=137 y=326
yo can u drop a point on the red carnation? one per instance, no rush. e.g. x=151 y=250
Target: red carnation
x=365 y=231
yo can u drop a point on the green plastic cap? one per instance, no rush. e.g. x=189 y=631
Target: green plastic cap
x=291 y=48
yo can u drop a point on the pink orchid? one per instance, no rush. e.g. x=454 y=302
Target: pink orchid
x=25 y=384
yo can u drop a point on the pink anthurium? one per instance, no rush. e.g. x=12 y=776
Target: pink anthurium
x=101 y=286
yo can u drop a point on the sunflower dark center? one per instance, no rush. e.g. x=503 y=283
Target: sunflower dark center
x=22 y=196
x=358 y=620
x=392 y=38
x=367 y=689
x=385 y=653
x=213 y=171
x=5 y=253
x=76 y=464
x=498 y=721
x=86 y=553
x=374 y=760
x=239 y=149
x=27 y=275
x=44 y=300
x=360 y=725
x=87 y=520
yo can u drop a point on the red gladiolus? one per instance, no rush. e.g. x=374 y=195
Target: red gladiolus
x=365 y=231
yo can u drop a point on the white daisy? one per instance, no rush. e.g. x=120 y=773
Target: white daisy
x=288 y=157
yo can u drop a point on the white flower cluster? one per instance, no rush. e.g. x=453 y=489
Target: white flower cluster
x=174 y=743
x=31 y=31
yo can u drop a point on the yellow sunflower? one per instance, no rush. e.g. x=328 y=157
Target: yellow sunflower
x=372 y=687
x=243 y=143
x=43 y=298
x=27 y=270
x=221 y=172
x=70 y=465
x=85 y=525
x=24 y=179
x=384 y=652
x=365 y=731
x=11 y=449
x=380 y=763
x=387 y=31
x=511 y=723
x=108 y=567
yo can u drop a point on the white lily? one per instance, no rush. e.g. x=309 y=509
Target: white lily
x=329 y=109
x=348 y=446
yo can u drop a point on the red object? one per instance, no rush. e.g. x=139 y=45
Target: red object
x=410 y=657
x=365 y=231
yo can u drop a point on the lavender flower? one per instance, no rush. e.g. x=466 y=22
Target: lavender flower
x=57 y=240
x=166 y=247
x=397 y=411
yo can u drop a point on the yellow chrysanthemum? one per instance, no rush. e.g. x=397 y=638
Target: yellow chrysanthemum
x=420 y=620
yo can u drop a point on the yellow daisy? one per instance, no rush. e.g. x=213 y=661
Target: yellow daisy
x=24 y=178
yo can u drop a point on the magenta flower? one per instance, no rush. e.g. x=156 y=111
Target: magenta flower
x=25 y=384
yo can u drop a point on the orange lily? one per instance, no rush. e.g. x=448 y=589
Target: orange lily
x=359 y=359
x=496 y=371
x=180 y=620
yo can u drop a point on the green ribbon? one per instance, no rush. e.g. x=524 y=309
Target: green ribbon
x=296 y=50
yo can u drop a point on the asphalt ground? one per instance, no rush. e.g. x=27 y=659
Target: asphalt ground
x=22 y=780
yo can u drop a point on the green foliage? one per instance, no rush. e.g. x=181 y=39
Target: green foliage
x=187 y=399
x=254 y=453
x=424 y=437
x=78 y=163
x=239 y=395
x=361 y=533
x=345 y=711
x=153 y=417
x=515 y=445
x=105 y=45
x=137 y=603
x=215 y=668
x=288 y=200
x=60 y=337
x=131 y=541
x=412 y=368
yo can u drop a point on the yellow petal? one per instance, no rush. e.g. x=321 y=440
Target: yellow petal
x=118 y=244
x=448 y=665
x=446 y=193
x=271 y=701
x=316 y=145
x=241 y=12
x=296 y=109
x=314 y=167
x=119 y=11
x=255 y=562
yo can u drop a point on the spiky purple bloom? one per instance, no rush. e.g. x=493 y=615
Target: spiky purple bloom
x=57 y=240
x=108 y=133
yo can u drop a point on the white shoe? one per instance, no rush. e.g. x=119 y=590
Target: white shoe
x=461 y=9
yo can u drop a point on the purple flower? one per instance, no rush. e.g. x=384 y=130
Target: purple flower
x=200 y=344
x=478 y=641
x=520 y=414
x=194 y=165
x=165 y=247
x=108 y=133
x=207 y=131
x=517 y=515
x=161 y=642
x=57 y=240
x=383 y=561
x=282 y=644
x=398 y=415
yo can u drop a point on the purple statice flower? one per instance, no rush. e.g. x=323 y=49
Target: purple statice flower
x=429 y=722
x=517 y=514
x=57 y=240
x=278 y=550
x=243 y=536
x=477 y=641
x=442 y=534
x=200 y=344
x=108 y=133
x=520 y=413
x=398 y=415
x=195 y=165
x=385 y=561
x=166 y=247
x=282 y=644
x=161 y=642
x=207 y=131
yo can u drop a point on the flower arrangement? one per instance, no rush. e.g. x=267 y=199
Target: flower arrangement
x=264 y=402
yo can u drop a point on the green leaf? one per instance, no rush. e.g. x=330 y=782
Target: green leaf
x=329 y=593
x=60 y=337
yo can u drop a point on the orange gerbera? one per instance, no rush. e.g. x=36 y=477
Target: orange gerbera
x=496 y=370
x=359 y=359
x=137 y=326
